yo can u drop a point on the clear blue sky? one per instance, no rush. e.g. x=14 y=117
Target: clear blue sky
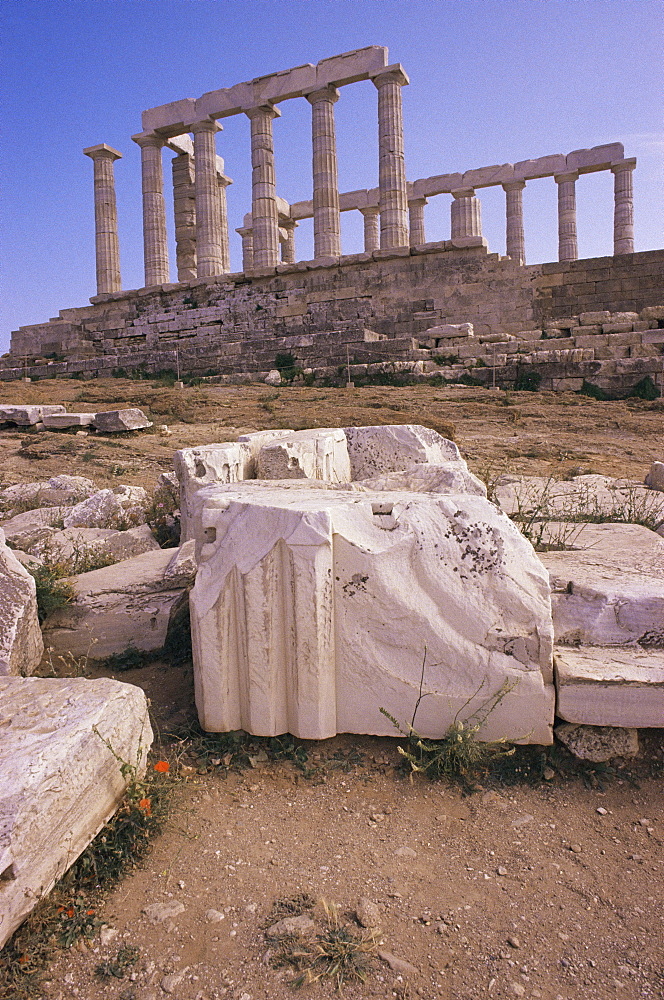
x=492 y=81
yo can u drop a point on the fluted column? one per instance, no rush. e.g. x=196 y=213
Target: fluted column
x=327 y=223
x=515 y=240
x=107 y=247
x=466 y=214
x=263 y=188
x=209 y=253
x=247 y=234
x=371 y=228
x=223 y=183
x=155 y=242
x=623 y=207
x=567 y=242
x=416 y=220
x=184 y=210
x=288 y=245
x=391 y=163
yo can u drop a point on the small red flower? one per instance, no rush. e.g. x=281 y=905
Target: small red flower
x=145 y=806
x=162 y=766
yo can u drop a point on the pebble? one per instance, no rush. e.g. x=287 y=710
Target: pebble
x=157 y=913
x=367 y=913
x=602 y=811
x=405 y=852
x=548 y=774
x=107 y=934
x=518 y=989
x=170 y=983
x=398 y=965
x=501 y=871
x=513 y=941
x=214 y=916
x=302 y=925
x=576 y=848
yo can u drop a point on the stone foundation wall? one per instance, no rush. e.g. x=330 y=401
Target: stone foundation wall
x=367 y=307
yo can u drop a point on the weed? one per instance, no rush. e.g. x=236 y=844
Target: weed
x=645 y=389
x=527 y=381
x=340 y=953
x=459 y=755
x=129 y=659
x=163 y=517
x=446 y=359
x=287 y=366
x=53 y=591
x=594 y=391
x=126 y=957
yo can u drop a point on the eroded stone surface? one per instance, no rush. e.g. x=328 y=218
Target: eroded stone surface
x=81 y=546
x=610 y=686
x=120 y=508
x=27 y=415
x=394 y=447
x=655 y=478
x=21 y=644
x=313 y=608
x=128 y=419
x=453 y=477
x=598 y=743
x=321 y=453
x=59 y=782
x=57 y=491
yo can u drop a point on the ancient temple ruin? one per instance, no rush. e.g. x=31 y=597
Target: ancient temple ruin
x=384 y=305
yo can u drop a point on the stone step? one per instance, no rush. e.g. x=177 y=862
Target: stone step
x=610 y=686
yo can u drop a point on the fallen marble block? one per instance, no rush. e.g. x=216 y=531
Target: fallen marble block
x=226 y=462
x=120 y=508
x=21 y=644
x=25 y=416
x=610 y=686
x=80 y=546
x=22 y=528
x=129 y=419
x=59 y=491
x=60 y=421
x=598 y=743
x=385 y=448
x=609 y=589
x=454 y=477
x=59 y=781
x=315 y=607
x=129 y=604
x=321 y=453
x=655 y=478
x=449 y=331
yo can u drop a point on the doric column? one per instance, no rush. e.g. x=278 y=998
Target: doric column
x=247 y=234
x=209 y=254
x=327 y=223
x=466 y=214
x=184 y=210
x=567 y=244
x=155 y=242
x=515 y=241
x=263 y=188
x=623 y=206
x=107 y=247
x=416 y=220
x=371 y=228
x=288 y=245
x=391 y=164
x=223 y=182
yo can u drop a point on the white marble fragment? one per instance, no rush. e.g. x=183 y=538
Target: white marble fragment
x=57 y=491
x=21 y=644
x=120 y=508
x=59 y=781
x=60 y=421
x=129 y=419
x=655 y=478
x=24 y=416
x=610 y=686
x=394 y=447
x=453 y=477
x=313 y=608
x=320 y=453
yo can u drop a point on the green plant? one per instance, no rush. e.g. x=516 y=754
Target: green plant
x=594 y=391
x=645 y=389
x=287 y=366
x=527 y=381
x=163 y=517
x=340 y=953
x=126 y=957
x=54 y=591
x=446 y=359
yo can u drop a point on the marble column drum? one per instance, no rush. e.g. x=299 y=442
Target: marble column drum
x=247 y=236
x=416 y=219
x=371 y=228
x=184 y=210
x=264 y=213
x=288 y=246
x=209 y=254
x=327 y=222
x=567 y=241
x=391 y=163
x=155 y=241
x=107 y=247
x=623 y=210
x=515 y=245
x=466 y=215
x=223 y=183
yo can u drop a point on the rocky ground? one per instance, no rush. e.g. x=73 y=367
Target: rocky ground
x=538 y=884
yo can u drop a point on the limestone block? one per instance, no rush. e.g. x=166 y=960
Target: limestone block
x=24 y=416
x=597 y=158
x=447 y=331
x=609 y=590
x=227 y=462
x=127 y=604
x=21 y=645
x=273 y=377
x=106 y=543
x=119 y=508
x=618 y=326
x=60 y=490
x=598 y=743
x=426 y=478
x=395 y=447
x=594 y=318
x=310 y=454
x=597 y=686
x=59 y=782
x=30 y=524
x=129 y=419
x=655 y=478
x=652 y=312
x=314 y=607
x=58 y=421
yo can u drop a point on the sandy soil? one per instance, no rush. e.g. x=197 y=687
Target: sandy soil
x=549 y=890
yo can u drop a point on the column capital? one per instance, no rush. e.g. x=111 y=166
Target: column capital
x=620 y=165
x=330 y=94
x=244 y=230
x=416 y=202
x=463 y=193
x=262 y=110
x=391 y=74
x=370 y=210
x=286 y=223
x=571 y=175
x=514 y=186
x=102 y=150
x=149 y=139
x=204 y=125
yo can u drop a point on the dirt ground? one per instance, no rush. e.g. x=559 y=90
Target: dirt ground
x=549 y=889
